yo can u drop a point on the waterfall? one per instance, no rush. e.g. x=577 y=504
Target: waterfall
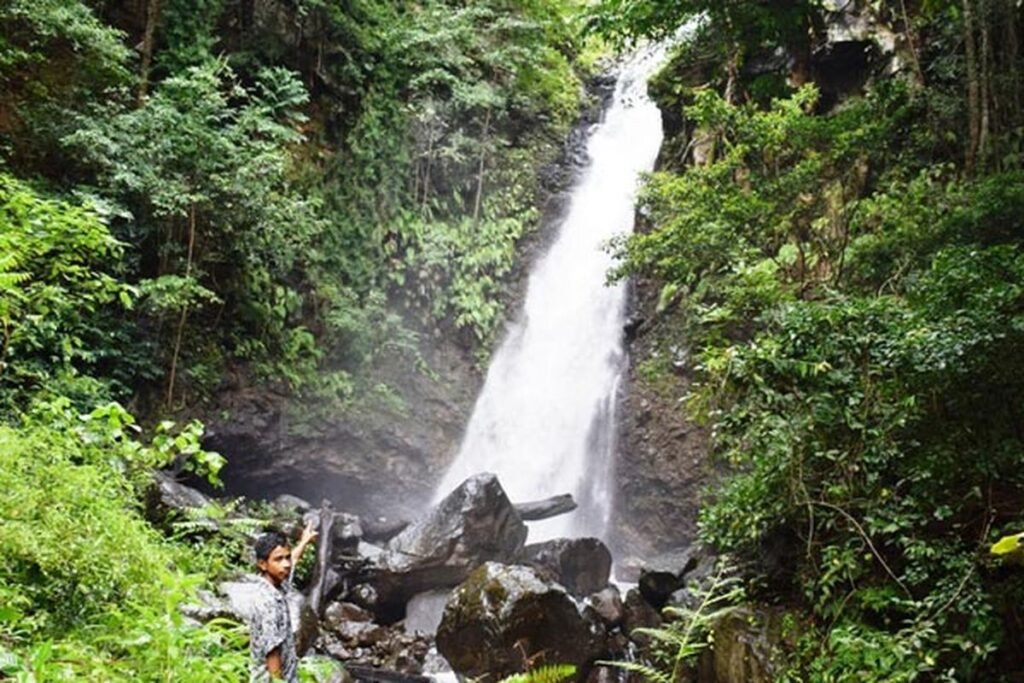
x=545 y=419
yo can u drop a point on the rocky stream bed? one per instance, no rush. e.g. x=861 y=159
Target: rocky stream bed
x=459 y=589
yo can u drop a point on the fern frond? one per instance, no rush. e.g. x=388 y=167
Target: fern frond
x=549 y=673
x=12 y=279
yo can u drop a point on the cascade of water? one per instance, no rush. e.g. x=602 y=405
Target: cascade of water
x=545 y=419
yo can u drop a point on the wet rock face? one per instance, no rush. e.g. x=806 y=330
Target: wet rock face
x=475 y=523
x=663 y=466
x=502 y=616
x=377 y=462
x=581 y=565
x=748 y=643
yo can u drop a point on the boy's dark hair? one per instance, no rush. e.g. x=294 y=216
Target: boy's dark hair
x=267 y=542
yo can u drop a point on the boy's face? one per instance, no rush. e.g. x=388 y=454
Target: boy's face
x=278 y=564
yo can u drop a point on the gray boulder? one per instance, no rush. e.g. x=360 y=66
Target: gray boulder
x=346 y=532
x=289 y=504
x=168 y=499
x=474 y=524
x=503 y=618
x=423 y=612
x=338 y=613
x=582 y=565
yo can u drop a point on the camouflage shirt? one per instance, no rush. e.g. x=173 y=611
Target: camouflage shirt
x=270 y=627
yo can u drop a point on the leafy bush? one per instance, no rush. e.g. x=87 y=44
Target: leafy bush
x=60 y=306
x=89 y=587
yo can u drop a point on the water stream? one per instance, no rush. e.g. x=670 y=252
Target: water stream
x=545 y=419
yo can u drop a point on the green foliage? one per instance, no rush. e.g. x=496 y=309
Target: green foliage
x=673 y=648
x=38 y=30
x=1007 y=545
x=59 y=304
x=457 y=271
x=468 y=79
x=854 y=307
x=748 y=22
x=202 y=169
x=87 y=584
x=55 y=56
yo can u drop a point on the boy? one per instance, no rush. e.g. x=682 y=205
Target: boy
x=272 y=642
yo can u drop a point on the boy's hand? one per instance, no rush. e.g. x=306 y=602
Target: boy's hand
x=308 y=534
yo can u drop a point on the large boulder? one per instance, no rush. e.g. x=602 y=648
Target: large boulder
x=475 y=523
x=504 y=618
x=582 y=565
x=167 y=500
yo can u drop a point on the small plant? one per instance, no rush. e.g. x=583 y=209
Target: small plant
x=689 y=632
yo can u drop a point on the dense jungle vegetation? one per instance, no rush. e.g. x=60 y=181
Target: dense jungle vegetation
x=292 y=190
x=299 y=189
x=846 y=273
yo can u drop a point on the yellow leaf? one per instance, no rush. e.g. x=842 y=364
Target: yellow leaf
x=1007 y=544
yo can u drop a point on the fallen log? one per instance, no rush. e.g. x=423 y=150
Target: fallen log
x=545 y=509
x=382 y=530
x=323 y=557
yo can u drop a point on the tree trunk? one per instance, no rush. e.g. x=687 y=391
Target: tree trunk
x=428 y=170
x=732 y=70
x=480 y=171
x=148 y=37
x=973 y=88
x=184 y=309
x=908 y=34
x=1011 y=53
x=986 y=95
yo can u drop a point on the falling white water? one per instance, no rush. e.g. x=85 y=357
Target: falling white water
x=545 y=419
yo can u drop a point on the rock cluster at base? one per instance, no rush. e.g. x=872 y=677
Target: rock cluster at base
x=507 y=607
